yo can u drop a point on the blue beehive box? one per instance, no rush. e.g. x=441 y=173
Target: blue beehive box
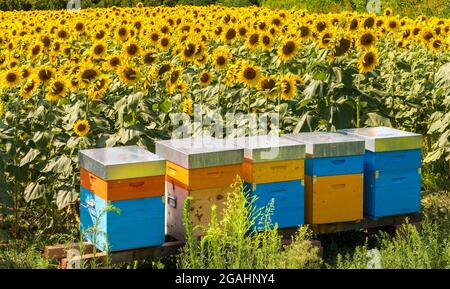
x=288 y=200
x=331 y=154
x=392 y=178
x=137 y=215
x=140 y=223
x=280 y=187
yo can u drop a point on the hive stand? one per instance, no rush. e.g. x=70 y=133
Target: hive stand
x=171 y=246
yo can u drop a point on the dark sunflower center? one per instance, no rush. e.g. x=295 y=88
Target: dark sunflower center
x=99 y=49
x=250 y=73
x=132 y=49
x=393 y=24
x=353 y=24
x=427 y=36
x=369 y=22
x=46 y=41
x=304 y=31
x=62 y=34
x=286 y=87
x=221 y=60
x=204 y=77
x=367 y=39
x=81 y=127
x=100 y=35
x=114 y=61
x=58 y=87
x=190 y=49
x=369 y=59
x=11 y=77
x=79 y=26
x=89 y=75
x=44 y=74
x=122 y=32
x=343 y=47
x=268 y=84
x=254 y=38
x=36 y=49
x=231 y=34
x=164 y=68
x=149 y=58
x=164 y=42
x=321 y=26
x=174 y=76
x=130 y=73
x=289 y=48
x=154 y=37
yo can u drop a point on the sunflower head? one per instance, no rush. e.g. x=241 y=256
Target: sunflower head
x=45 y=73
x=205 y=78
x=288 y=87
x=366 y=39
x=129 y=75
x=368 y=60
x=81 y=128
x=250 y=74
x=186 y=106
x=11 y=77
x=57 y=89
x=131 y=49
x=288 y=49
x=221 y=56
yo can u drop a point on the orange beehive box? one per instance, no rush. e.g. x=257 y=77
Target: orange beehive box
x=332 y=199
x=203 y=178
x=270 y=172
x=124 y=189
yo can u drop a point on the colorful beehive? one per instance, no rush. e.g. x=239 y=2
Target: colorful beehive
x=131 y=181
x=333 y=177
x=273 y=169
x=203 y=168
x=392 y=165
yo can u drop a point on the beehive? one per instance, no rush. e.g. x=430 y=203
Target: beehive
x=333 y=177
x=131 y=180
x=392 y=163
x=200 y=167
x=273 y=169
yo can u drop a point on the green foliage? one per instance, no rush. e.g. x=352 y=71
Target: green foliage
x=23 y=254
x=409 y=249
x=228 y=243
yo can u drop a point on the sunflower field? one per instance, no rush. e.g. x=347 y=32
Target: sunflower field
x=108 y=77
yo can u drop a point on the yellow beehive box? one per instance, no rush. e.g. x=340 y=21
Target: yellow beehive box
x=333 y=199
x=271 y=172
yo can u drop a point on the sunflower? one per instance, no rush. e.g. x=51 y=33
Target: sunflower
x=131 y=49
x=11 y=78
x=320 y=25
x=113 y=62
x=202 y=59
x=149 y=57
x=99 y=88
x=122 y=34
x=368 y=60
x=87 y=74
x=392 y=24
x=426 y=35
x=35 y=51
x=250 y=74
x=128 y=75
x=164 y=43
x=99 y=49
x=45 y=73
x=205 y=78
x=436 y=44
x=189 y=50
x=221 y=56
x=366 y=39
x=174 y=75
x=81 y=128
x=252 y=41
x=268 y=85
x=29 y=87
x=230 y=34
x=387 y=12
x=369 y=22
x=288 y=49
x=304 y=32
x=154 y=36
x=342 y=46
x=186 y=106
x=267 y=41
x=57 y=89
x=288 y=87
x=326 y=38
